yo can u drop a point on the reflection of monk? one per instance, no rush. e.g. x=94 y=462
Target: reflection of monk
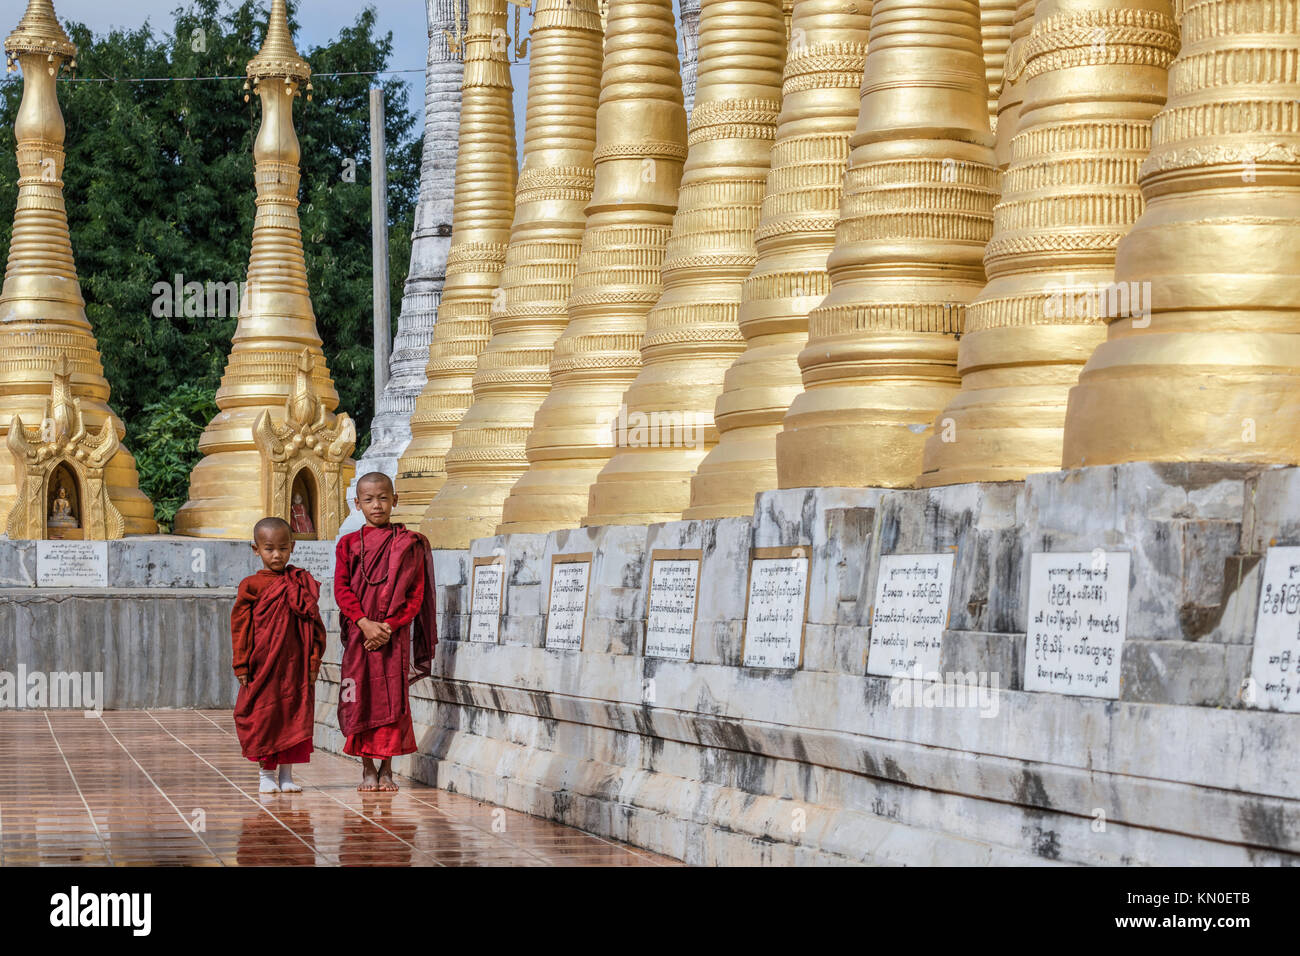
x=285 y=839
x=61 y=515
x=299 y=519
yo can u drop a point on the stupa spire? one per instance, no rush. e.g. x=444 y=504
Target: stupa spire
x=487 y=454
x=42 y=312
x=917 y=212
x=819 y=111
x=640 y=148
x=481 y=219
x=692 y=335
x=239 y=480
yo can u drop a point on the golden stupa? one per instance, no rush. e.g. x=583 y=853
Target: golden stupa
x=796 y=232
x=487 y=454
x=1211 y=371
x=483 y=208
x=692 y=335
x=259 y=454
x=997 y=17
x=1094 y=75
x=916 y=214
x=44 y=330
x=1012 y=93
x=640 y=148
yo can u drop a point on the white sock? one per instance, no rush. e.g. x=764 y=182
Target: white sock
x=286 y=779
x=266 y=782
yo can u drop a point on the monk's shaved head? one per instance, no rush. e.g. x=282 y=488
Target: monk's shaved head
x=375 y=478
x=269 y=526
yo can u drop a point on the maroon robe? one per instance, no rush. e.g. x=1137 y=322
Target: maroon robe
x=374 y=683
x=278 y=638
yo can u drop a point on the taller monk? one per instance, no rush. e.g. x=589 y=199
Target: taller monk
x=383 y=583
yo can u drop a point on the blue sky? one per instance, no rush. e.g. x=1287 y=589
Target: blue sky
x=319 y=20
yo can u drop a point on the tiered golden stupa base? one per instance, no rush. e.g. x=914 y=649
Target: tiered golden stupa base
x=484 y=208
x=692 y=336
x=488 y=449
x=640 y=148
x=819 y=111
x=917 y=213
x=1212 y=371
x=1069 y=196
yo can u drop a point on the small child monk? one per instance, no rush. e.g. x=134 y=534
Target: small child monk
x=278 y=639
x=383 y=583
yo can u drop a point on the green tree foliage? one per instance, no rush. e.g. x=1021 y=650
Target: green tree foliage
x=159 y=183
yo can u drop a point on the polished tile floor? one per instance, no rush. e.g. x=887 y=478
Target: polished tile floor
x=141 y=788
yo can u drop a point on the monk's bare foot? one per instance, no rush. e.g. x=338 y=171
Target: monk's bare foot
x=386 y=783
x=369 y=778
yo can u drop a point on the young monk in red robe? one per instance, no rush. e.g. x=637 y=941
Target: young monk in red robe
x=383 y=583
x=278 y=639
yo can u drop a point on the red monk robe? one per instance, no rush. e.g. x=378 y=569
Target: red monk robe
x=278 y=639
x=384 y=575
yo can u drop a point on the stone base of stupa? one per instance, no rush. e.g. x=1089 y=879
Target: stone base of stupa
x=1171 y=739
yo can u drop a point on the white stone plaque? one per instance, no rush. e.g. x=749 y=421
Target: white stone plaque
x=316 y=558
x=910 y=614
x=1273 y=684
x=71 y=564
x=670 y=616
x=1078 y=615
x=566 y=612
x=778 y=604
x=486 y=589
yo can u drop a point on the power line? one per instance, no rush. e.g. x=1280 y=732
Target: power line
x=201 y=79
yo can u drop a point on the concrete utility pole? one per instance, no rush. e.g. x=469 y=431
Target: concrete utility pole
x=379 y=241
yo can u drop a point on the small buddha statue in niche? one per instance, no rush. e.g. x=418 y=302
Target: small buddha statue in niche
x=61 y=514
x=299 y=519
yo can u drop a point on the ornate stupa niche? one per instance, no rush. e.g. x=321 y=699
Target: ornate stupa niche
x=640 y=148
x=304 y=458
x=1094 y=74
x=236 y=482
x=488 y=448
x=795 y=234
x=692 y=335
x=44 y=332
x=61 y=468
x=484 y=208
x=916 y=214
x=1211 y=372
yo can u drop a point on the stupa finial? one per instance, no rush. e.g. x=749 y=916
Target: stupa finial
x=278 y=56
x=39 y=31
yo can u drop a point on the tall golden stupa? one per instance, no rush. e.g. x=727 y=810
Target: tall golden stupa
x=1210 y=371
x=692 y=335
x=43 y=325
x=487 y=454
x=916 y=214
x=640 y=148
x=795 y=235
x=997 y=17
x=276 y=440
x=1013 y=82
x=483 y=208
x=1094 y=76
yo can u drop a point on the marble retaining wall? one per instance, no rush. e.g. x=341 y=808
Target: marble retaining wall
x=159 y=633
x=717 y=763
